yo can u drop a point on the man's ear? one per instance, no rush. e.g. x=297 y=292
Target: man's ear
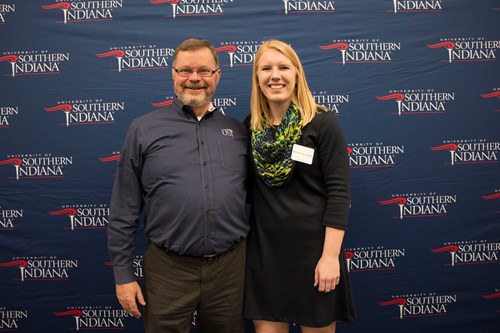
x=219 y=74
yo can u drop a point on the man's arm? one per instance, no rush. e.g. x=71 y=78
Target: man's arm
x=125 y=209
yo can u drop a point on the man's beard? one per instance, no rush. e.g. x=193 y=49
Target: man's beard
x=193 y=101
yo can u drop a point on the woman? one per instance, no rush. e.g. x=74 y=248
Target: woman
x=296 y=268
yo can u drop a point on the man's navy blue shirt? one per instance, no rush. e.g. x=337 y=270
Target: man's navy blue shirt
x=189 y=177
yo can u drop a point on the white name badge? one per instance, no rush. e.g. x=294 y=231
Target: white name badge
x=302 y=154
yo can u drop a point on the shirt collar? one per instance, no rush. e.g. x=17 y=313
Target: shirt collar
x=188 y=110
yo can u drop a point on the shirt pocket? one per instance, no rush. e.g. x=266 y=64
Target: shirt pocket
x=233 y=154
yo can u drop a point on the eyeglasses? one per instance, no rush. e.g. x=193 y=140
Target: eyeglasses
x=203 y=72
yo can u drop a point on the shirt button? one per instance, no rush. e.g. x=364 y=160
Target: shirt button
x=206 y=186
x=204 y=163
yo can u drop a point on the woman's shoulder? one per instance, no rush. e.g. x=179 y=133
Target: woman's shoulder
x=321 y=112
x=321 y=116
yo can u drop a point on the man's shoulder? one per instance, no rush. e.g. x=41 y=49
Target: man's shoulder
x=163 y=113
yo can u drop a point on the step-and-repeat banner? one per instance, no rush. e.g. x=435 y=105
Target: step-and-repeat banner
x=414 y=83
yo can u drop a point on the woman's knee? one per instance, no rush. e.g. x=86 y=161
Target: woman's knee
x=264 y=326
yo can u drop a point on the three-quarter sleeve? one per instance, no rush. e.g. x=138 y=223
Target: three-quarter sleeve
x=334 y=161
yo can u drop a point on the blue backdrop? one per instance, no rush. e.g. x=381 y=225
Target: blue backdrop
x=414 y=84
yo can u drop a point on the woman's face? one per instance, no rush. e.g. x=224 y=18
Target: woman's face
x=276 y=77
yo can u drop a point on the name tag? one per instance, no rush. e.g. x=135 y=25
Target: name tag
x=302 y=154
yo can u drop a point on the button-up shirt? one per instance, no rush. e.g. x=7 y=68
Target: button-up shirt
x=189 y=177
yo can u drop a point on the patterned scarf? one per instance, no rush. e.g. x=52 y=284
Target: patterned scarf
x=272 y=148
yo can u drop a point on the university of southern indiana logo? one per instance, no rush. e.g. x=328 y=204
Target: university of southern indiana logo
x=418 y=101
x=374 y=155
x=467 y=49
x=86 y=11
x=416 y=6
x=469 y=151
x=87 y=112
x=11 y=319
x=240 y=53
x=96 y=317
x=308 y=6
x=6 y=113
x=38 y=165
x=371 y=258
x=417 y=205
x=4 y=10
x=334 y=102
x=363 y=51
x=420 y=305
x=42 y=268
x=8 y=217
x=146 y=57
x=29 y=63
x=226 y=105
x=85 y=216
x=470 y=252
x=194 y=8
x=492 y=95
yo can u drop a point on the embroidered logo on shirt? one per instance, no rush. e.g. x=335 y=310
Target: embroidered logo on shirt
x=227 y=132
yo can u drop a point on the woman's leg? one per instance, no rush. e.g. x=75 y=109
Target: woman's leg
x=264 y=326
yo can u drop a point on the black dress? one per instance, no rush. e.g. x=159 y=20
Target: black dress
x=288 y=230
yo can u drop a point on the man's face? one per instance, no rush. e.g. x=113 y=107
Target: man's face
x=194 y=90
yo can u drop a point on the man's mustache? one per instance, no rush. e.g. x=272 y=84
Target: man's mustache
x=193 y=86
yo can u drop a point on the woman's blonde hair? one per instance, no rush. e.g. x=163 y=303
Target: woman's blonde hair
x=301 y=96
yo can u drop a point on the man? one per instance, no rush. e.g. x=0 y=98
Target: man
x=185 y=165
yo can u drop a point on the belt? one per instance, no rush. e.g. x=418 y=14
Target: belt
x=203 y=257
x=211 y=256
x=214 y=255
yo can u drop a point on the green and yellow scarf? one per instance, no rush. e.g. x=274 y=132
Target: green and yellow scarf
x=272 y=148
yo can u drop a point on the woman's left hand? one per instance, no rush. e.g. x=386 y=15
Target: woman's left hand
x=327 y=273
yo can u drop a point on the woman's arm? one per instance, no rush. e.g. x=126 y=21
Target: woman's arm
x=327 y=272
